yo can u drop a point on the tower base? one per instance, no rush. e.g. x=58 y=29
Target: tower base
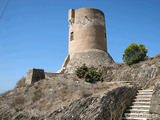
x=93 y=57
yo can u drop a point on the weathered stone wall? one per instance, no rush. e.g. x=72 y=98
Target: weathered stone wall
x=155 y=102
x=87 y=30
x=92 y=57
x=34 y=75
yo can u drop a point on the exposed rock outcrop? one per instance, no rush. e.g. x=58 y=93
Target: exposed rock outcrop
x=110 y=106
x=145 y=74
x=155 y=102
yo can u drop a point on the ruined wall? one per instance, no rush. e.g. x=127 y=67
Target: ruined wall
x=87 y=30
x=34 y=75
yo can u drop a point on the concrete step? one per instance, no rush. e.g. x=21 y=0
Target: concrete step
x=143 y=96
x=131 y=118
x=144 y=107
x=137 y=115
x=137 y=111
x=144 y=93
x=145 y=90
x=142 y=99
x=140 y=115
x=141 y=103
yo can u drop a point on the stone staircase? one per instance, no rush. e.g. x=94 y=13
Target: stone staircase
x=139 y=110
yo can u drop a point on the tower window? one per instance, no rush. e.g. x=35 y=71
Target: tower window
x=72 y=36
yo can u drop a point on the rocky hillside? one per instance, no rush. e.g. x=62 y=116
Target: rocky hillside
x=59 y=97
x=65 y=97
x=145 y=74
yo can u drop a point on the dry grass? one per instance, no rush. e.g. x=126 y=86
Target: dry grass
x=36 y=95
x=21 y=82
x=19 y=100
x=85 y=93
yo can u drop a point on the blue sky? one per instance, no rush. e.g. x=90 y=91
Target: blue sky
x=34 y=33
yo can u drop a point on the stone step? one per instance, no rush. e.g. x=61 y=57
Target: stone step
x=140 y=115
x=137 y=110
x=144 y=107
x=145 y=90
x=131 y=118
x=144 y=96
x=142 y=99
x=141 y=103
x=137 y=115
x=144 y=93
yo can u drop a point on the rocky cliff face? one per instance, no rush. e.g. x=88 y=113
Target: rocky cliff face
x=155 y=102
x=145 y=74
x=65 y=97
x=110 y=106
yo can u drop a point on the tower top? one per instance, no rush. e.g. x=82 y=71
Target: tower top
x=88 y=9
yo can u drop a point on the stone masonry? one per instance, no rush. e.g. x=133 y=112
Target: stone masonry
x=34 y=75
x=87 y=40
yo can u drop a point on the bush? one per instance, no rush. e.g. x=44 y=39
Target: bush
x=93 y=75
x=81 y=71
x=90 y=74
x=134 y=53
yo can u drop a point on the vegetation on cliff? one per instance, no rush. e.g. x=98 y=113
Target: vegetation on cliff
x=90 y=74
x=134 y=53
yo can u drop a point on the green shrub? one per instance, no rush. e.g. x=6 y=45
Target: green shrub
x=93 y=75
x=81 y=71
x=134 y=53
x=90 y=74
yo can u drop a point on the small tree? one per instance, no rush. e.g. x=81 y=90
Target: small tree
x=134 y=53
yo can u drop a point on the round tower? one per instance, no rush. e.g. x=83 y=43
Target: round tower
x=86 y=30
x=87 y=40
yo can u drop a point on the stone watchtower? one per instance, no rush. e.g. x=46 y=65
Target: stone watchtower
x=87 y=39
